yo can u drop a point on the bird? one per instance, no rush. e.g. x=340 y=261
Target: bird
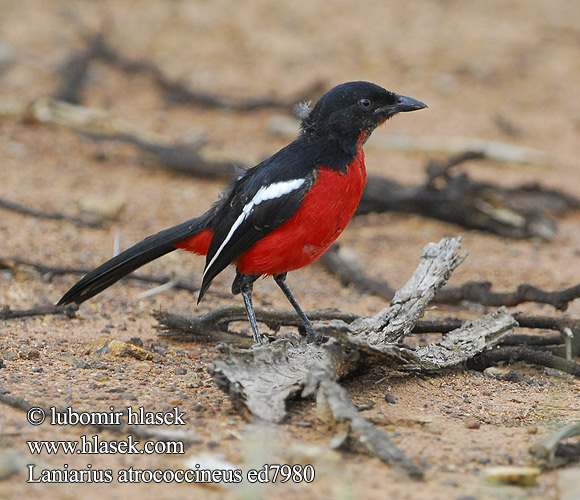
x=283 y=213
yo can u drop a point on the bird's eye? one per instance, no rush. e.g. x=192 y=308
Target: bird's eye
x=365 y=103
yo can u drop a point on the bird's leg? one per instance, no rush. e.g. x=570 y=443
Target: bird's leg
x=311 y=335
x=244 y=283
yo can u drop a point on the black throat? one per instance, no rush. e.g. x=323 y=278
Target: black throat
x=332 y=151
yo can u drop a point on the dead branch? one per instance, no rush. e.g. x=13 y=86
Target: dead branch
x=393 y=323
x=519 y=212
x=260 y=380
x=551 y=452
x=7 y=313
x=437 y=169
x=73 y=75
x=492 y=150
x=512 y=354
x=380 y=334
x=214 y=326
x=87 y=221
x=349 y=271
x=105 y=125
x=480 y=292
x=465 y=342
x=15 y=265
x=546 y=322
x=74 y=71
x=335 y=408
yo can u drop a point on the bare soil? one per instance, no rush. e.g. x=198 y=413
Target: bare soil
x=500 y=70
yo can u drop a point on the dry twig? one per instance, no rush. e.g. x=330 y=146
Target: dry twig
x=74 y=71
x=21 y=209
x=350 y=272
x=551 y=452
x=7 y=313
x=520 y=212
x=512 y=354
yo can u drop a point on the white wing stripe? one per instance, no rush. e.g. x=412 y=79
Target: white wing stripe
x=273 y=191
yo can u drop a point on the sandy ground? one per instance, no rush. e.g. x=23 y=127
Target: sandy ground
x=478 y=65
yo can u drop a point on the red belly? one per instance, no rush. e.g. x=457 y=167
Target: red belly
x=326 y=210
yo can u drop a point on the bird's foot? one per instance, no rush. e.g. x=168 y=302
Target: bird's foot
x=316 y=338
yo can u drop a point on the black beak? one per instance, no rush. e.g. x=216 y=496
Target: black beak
x=409 y=104
x=402 y=103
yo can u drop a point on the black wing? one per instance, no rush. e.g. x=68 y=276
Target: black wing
x=259 y=202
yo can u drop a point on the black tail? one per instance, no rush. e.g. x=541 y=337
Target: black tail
x=149 y=249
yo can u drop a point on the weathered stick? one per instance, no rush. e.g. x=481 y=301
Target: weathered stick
x=273 y=367
x=545 y=452
x=21 y=209
x=513 y=354
x=7 y=313
x=397 y=320
x=336 y=409
x=74 y=71
x=349 y=271
x=213 y=326
x=260 y=380
x=468 y=340
x=103 y=125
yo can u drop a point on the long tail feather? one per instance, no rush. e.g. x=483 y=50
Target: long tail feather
x=143 y=252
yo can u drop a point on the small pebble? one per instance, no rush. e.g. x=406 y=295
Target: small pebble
x=116 y=389
x=390 y=398
x=180 y=370
x=471 y=423
x=512 y=376
x=522 y=476
x=29 y=353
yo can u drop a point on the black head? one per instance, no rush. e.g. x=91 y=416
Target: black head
x=354 y=108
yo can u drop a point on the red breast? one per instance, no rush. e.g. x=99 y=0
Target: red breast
x=326 y=210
